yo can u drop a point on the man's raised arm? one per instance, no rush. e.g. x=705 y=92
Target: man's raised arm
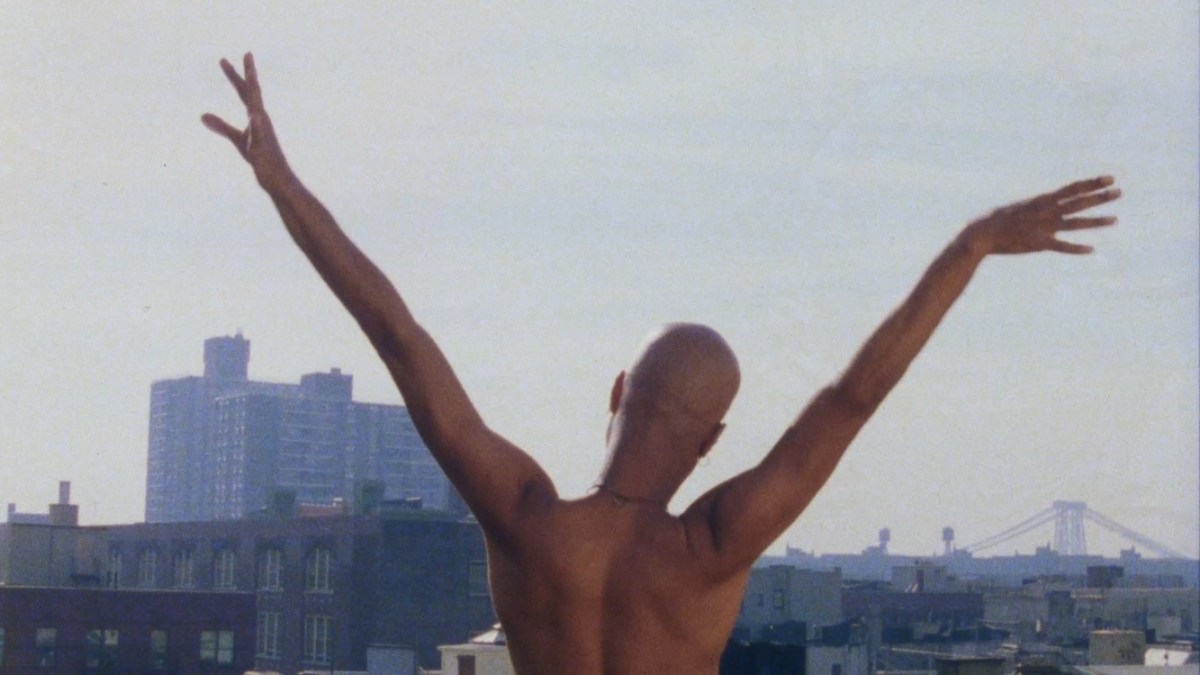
x=748 y=512
x=494 y=477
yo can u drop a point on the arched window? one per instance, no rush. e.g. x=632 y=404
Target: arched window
x=270 y=569
x=317 y=639
x=318 y=574
x=267 y=637
x=225 y=569
x=112 y=569
x=148 y=568
x=184 y=570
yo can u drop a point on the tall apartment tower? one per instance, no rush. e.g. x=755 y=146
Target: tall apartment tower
x=221 y=445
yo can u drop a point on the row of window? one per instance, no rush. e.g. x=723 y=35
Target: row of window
x=102 y=648
x=318 y=569
x=318 y=637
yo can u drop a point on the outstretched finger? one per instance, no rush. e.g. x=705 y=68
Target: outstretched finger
x=1088 y=200
x=1068 y=247
x=219 y=126
x=1085 y=223
x=253 y=90
x=236 y=80
x=1074 y=189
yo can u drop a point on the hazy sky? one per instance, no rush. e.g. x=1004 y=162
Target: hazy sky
x=545 y=185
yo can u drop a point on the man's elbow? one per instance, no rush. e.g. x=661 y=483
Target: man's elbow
x=858 y=399
x=392 y=339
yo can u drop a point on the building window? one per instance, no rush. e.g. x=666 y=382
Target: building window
x=466 y=664
x=46 y=647
x=182 y=566
x=835 y=669
x=1 y=646
x=216 y=647
x=270 y=568
x=102 y=648
x=112 y=570
x=777 y=598
x=158 y=649
x=225 y=569
x=147 y=568
x=318 y=570
x=266 y=643
x=316 y=639
x=477 y=578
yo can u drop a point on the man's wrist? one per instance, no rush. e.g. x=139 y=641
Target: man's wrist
x=276 y=178
x=973 y=241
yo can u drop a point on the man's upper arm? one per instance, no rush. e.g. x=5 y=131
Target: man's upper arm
x=745 y=514
x=496 y=478
x=500 y=482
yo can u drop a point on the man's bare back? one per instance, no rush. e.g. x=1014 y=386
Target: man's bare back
x=605 y=587
x=614 y=583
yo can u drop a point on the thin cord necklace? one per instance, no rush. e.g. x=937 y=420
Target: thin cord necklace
x=621 y=500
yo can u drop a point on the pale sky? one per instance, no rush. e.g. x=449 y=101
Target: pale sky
x=547 y=184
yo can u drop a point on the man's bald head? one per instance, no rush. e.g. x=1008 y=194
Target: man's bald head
x=685 y=373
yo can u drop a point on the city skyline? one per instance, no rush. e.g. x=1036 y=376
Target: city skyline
x=222 y=445
x=545 y=186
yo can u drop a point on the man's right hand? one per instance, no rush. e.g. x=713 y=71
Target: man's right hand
x=1032 y=225
x=257 y=142
x=749 y=511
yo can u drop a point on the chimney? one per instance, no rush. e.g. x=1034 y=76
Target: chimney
x=64 y=513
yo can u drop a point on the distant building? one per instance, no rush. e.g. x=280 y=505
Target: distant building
x=15 y=516
x=923 y=577
x=1117 y=648
x=875 y=563
x=846 y=659
x=901 y=616
x=221 y=445
x=760 y=657
x=484 y=654
x=321 y=593
x=70 y=630
x=781 y=596
x=62 y=512
x=41 y=549
x=1172 y=654
x=327 y=587
x=1058 y=613
x=970 y=665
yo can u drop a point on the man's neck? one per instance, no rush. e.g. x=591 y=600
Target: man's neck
x=620 y=498
x=633 y=476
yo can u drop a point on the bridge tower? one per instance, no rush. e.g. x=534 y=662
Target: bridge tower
x=1069 y=538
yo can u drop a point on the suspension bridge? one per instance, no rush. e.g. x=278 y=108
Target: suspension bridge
x=1069 y=535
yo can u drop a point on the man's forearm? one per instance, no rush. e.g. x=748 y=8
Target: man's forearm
x=493 y=475
x=434 y=396
x=884 y=358
x=356 y=281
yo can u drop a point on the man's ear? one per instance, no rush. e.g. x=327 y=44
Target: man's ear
x=712 y=439
x=618 y=389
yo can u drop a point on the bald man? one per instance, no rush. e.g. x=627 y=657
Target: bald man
x=613 y=583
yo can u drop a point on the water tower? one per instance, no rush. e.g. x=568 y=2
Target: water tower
x=948 y=540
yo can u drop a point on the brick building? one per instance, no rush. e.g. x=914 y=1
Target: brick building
x=73 y=630
x=327 y=587
x=322 y=589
